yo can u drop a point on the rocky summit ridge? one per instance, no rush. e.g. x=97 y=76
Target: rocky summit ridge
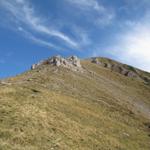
x=72 y=62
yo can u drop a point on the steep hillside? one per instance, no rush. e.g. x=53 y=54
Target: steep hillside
x=61 y=104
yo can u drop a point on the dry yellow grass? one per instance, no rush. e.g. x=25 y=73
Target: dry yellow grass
x=56 y=108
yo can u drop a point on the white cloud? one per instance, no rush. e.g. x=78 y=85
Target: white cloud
x=98 y=13
x=37 y=40
x=25 y=14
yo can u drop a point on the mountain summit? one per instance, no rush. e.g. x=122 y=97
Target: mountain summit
x=71 y=62
x=68 y=103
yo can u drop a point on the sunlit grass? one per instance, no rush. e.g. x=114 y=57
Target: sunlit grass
x=50 y=109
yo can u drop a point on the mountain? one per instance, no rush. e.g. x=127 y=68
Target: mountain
x=73 y=104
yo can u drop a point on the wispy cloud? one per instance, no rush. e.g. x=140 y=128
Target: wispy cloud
x=98 y=13
x=88 y=4
x=25 y=13
x=38 y=40
x=82 y=36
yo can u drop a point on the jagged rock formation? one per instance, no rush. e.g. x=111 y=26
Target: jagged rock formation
x=72 y=62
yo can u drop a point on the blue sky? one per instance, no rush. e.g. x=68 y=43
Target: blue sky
x=31 y=30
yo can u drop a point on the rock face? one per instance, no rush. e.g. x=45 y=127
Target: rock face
x=72 y=62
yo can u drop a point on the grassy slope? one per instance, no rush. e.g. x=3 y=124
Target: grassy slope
x=60 y=109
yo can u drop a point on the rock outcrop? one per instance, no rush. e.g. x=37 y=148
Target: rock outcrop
x=95 y=60
x=116 y=67
x=4 y=82
x=72 y=62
